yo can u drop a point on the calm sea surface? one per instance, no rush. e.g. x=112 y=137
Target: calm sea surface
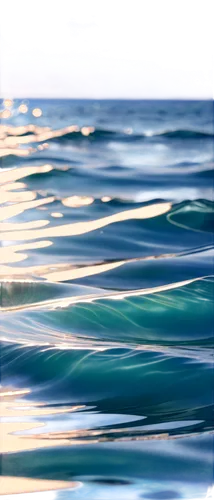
x=106 y=272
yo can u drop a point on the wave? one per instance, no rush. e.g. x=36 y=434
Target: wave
x=147 y=319
x=184 y=134
x=112 y=134
x=31 y=134
x=109 y=135
x=23 y=291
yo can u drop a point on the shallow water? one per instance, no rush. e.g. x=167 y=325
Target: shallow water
x=106 y=250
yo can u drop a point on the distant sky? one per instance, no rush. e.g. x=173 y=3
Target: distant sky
x=82 y=76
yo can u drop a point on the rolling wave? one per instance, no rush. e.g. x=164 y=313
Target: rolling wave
x=138 y=317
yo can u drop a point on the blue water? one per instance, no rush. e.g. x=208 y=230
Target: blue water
x=107 y=295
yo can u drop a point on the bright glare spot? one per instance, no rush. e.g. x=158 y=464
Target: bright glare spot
x=73 y=128
x=41 y=147
x=8 y=103
x=6 y=113
x=14 y=393
x=23 y=108
x=46 y=168
x=56 y=215
x=210 y=492
x=37 y=112
x=87 y=130
x=77 y=201
x=105 y=199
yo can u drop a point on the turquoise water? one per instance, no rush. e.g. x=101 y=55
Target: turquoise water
x=107 y=296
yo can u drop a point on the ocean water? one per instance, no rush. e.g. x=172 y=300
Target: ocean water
x=106 y=269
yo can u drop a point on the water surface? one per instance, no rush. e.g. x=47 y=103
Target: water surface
x=106 y=269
